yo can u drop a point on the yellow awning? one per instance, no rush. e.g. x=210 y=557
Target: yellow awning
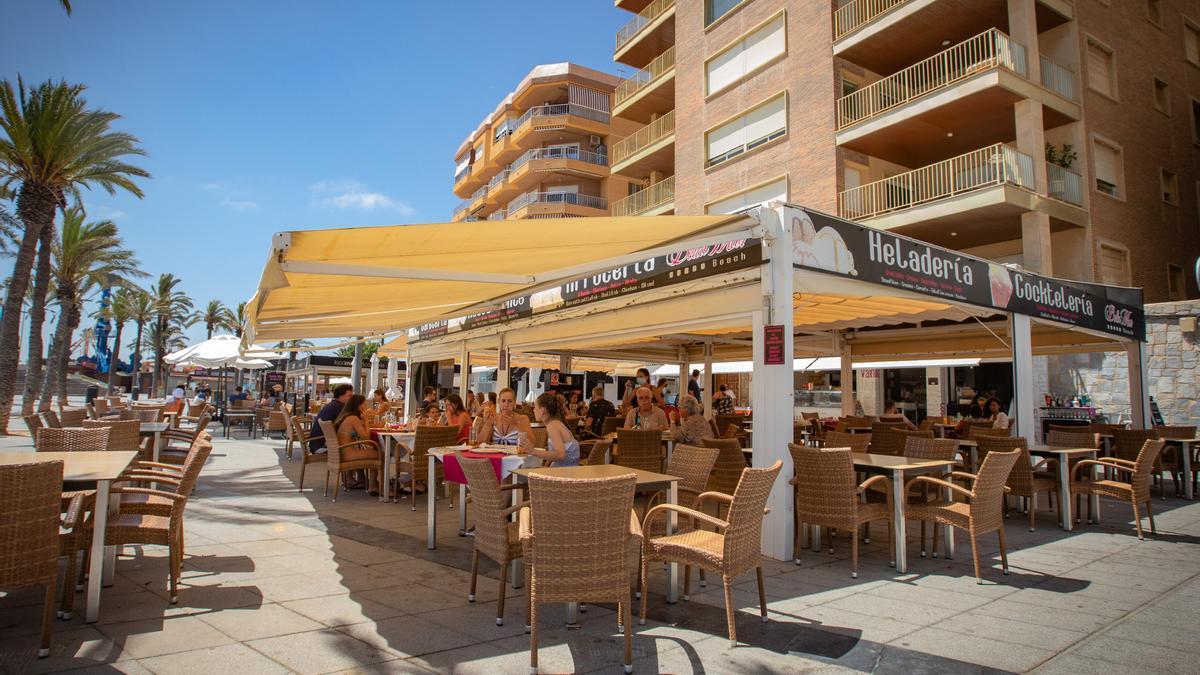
x=375 y=280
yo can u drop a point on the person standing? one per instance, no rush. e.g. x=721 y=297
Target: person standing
x=694 y=388
x=329 y=413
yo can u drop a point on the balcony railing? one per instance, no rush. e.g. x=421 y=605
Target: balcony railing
x=642 y=78
x=498 y=214
x=498 y=179
x=559 y=152
x=1064 y=185
x=1058 y=78
x=461 y=174
x=662 y=192
x=644 y=137
x=641 y=20
x=987 y=50
x=994 y=165
x=479 y=194
x=556 y=109
x=462 y=207
x=858 y=13
x=556 y=198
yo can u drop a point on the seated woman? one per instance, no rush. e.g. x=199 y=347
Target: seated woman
x=893 y=414
x=561 y=447
x=430 y=414
x=351 y=428
x=457 y=416
x=692 y=428
x=996 y=414
x=380 y=402
x=503 y=425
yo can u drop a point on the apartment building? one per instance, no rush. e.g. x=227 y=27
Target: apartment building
x=1061 y=135
x=544 y=150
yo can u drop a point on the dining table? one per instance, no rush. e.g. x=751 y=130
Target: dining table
x=900 y=469
x=509 y=462
x=154 y=430
x=101 y=467
x=1064 y=456
x=389 y=440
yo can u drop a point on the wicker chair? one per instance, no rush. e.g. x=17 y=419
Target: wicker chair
x=736 y=419
x=33 y=423
x=1069 y=428
x=276 y=422
x=970 y=426
x=30 y=508
x=1171 y=455
x=885 y=439
x=307 y=456
x=733 y=549
x=980 y=432
x=640 y=449
x=979 y=516
x=333 y=460
x=841 y=439
x=1027 y=479
x=101 y=406
x=289 y=432
x=150 y=527
x=1077 y=437
x=417 y=462
x=905 y=434
x=122 y=435
x=575 y=537
x=1127 y=445
x=692 y=465
x=72 y=417
x=178 y=442
x=496 y=535
x=850 y=421
x=91 y=412
x=51 y=419
x=599 y=452
x=1135 y=491
x=72 y=439
x=726 y=473
x=827 y=494
x=611 y=424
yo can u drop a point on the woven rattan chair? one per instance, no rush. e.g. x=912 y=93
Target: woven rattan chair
x=33 y=423
x=851 y=421
x=72 y=439
x=611 y=424
x=575 y=537
x=735 y=547
x=726 y=473
x=918 y=446
x=640 y=449
x=1069 y=428
x=736 y=419
x=289 y=432
x=122 y=435
x=307 y=456
x=417 y=462
x=841 y=439
x=980 y=432
x=692 y=465
x=979 y=516
x=906 y=434
x=1171 y=458
x=970 y=426
x=101 y=406
x=1135 y=491
x=599 y=453
x=334 y=464
x=30 y=503
x=496 y=535
x=828 y=495
x=72 y=417
x=1027 y=479
x=885 y=440
x=1127 y=445
x=115 y=402
x=51 y=419
x=91 y=411
x=1077 y=437
x=178 y=442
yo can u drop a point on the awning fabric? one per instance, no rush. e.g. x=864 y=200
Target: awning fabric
x=374 y=280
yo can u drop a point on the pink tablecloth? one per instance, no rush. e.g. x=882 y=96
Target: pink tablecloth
x=454 y=472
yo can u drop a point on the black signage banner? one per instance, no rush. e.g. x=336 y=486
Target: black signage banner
x=848 y=249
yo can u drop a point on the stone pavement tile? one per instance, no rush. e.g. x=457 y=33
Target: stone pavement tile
x=259 y=622
x=905 y=611
x=899 y=661
x=1126 y=595
x=983 y=650
x=1035 y=615
x=311 y=562
x=341 y=610
x=1169 y=638
x=1073 y=664
x=195 y=599
x=359 y=578
x=408 y=635
x=963 y=585
x=321 y=651
x=285 y=530
x=267 y=548
x=563 y=651
x=928 y=596
x=417 y=599
x=1010 y=630
x=156 y=637
x=364 y=554
x=298 y=587
x=1131 y=577
x=479 y=620
x=859 y=626
x=130 y=667
x=224 y=659
x=134 y=607
x=1150 y=658
x=1165 y=616
x=70 y=648
x=224 y=533
x=1098 y=605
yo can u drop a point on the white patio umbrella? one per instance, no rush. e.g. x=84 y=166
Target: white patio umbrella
x=217 y=352
x=392 y=372
x=373 y=377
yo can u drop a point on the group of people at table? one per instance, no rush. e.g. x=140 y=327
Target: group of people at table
x=496 y=420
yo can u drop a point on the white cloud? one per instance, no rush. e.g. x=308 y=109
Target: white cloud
x=351 y=194
x=210 y=186
x=238 y=205
x=100 y=212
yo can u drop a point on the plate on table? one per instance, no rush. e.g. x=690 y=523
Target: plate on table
x=490 y=448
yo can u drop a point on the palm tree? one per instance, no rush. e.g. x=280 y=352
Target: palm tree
x=52 y=146
x=217 y=315
x=35 y=360
x=172 y=311
x=141 y=314
x=87 y=256
x=239 y=319
x=119 y=311
x=66 y=5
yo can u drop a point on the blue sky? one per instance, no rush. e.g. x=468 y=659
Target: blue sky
x=268 y=116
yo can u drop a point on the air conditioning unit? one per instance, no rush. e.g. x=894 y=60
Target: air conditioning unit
x=594 y=140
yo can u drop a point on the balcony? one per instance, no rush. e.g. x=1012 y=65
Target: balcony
x=556 y=205
x=649 y=32
x=546 y=123
x=885 y=35
x=496 y=188
x=478 y=199
x=651 y=148
x=1064 y=185
x=498 y=214
x=969 y=200
x=460 y=211
x=470 y=180
x=653 y=201
x=1058 y=78
x=531 y=168
x=959 y=99
x=650 y=90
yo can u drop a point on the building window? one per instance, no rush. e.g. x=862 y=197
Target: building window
x=1191 y=42
x=1195 y=121
x=748 y=54
x=1170 y=186
x=775 y=190
x=752 y=129
x=850 y=84
x=1162 y=97
x=1154 y=12
x=1176 y=283
x=1102 y=74
x=1114 y=265
x=715 y=9
x=1109 y=168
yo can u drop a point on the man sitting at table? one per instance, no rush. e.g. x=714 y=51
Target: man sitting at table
x=599 y=409
x=646 y=415
x=238 y=395
x=329 y=413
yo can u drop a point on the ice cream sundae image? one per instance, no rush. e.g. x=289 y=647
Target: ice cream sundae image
x=1001 y=284
x=546 y=298
x=823 y=250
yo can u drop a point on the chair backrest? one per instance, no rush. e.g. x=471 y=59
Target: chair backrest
x=798 y=431
x=1104 y=428
x=91 y=411
x=926 y=447
x=148 y=414
x=122 y=434
x=693 y=465
x=1069 y=428
x=810 y=416
x=977 y=432
x=201 y=424
x=736 y=419
x=1077 y=437
x=101 y=405
x=1128 y=443
x=1021 y=477
x=885 y=440
x=1176 y=431
x=743 y=537
x=330 y=434
x=73 y=417
x=841 y=439
x=300 y=429
x=599 y=453
x=196 y=457
x=33 y=423
x=611 y=424
x=825 y=488
x=853 y=421
x=30 y=503
x=491 y=526
x=970 y=425
x=536 y=436
x=640 y=449
x=72 y=439
x=581 y=533
x=429 y=436
x=926 y=424
x=906 y=434
x=731 y=461
x=51 y=419
x=115 y=401
x=1143 y=469
x=987 y=504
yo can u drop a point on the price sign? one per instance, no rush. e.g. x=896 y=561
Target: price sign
x=773 y=352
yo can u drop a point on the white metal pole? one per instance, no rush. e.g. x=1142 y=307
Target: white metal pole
x=1023 y=405
x=707 y=380
x=847 y=375
x=464 y=381
x=1139 y=393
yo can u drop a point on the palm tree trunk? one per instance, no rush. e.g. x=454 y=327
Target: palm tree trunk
x=136 y=367
x=35 y=206
x=59 y=343
x=115 y=359
x=160 y=346
x=64 y=357
x=210 y=329
x=35 y=360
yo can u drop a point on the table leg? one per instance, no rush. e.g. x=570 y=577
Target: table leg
x=672 y=523
x=96 y=564
x=899 y=532
x=949 y=531
x=157 y=445
x=462 y=507
x=1065 y=501
x=385 y=474
x=1186 y=448
x=517 y=568
x=814 y=536
x=431 y=513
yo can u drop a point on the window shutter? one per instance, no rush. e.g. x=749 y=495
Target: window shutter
x=725 y=68
x=1099 y=69
x=1114 y=266
x=726 y=137
x=462 y=164
x=766 y=120
x=764 y=44
x=1106 y=163
x=759 y=195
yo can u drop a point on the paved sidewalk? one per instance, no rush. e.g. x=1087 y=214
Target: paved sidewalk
x=276 y=580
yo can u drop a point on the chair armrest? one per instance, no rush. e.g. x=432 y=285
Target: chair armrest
x=714 y=496
x=371 y=444
x=1117 y=460
x=683 y=511
x=882 y=480
x=137 y=466
x=514 y=486
x=940 y=483
x=147 y=491
x=1047 y=462
x=1106 y=462
x=970 y=477
x=635 y=528
x=148 y=477
x=525 y=525
x=514 y=508
x=72 y=518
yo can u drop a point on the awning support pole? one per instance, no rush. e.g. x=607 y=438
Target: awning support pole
x=847 y=375
x=707 y=381
x=356 y=368
x=502 y=364
x=1023 y=405
x=1139 y=393
x=464 y=379
x=681 y=385
x=408 y=386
